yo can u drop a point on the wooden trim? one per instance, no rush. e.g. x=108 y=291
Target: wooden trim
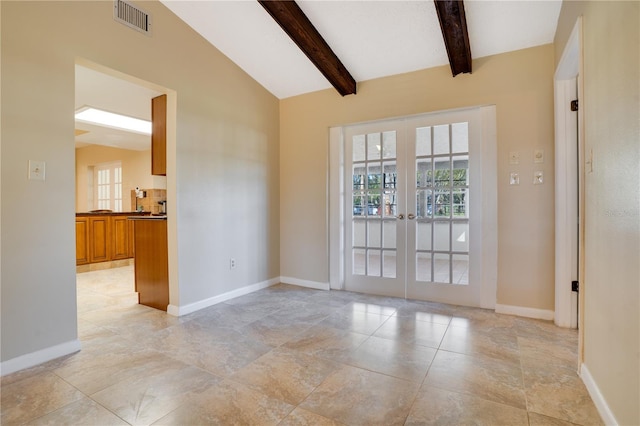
x=296 y=24
x=453 y=24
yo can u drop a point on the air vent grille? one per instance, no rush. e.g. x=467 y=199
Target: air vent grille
x=132 y=16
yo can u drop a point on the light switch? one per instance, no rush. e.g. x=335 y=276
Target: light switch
x=538 y=156
x=36 y=170
x=538 y=177
x=514 y=179
x=514 y=157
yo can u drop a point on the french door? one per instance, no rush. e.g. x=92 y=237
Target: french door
x=413 y=208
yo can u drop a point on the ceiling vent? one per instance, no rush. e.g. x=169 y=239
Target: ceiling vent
x=132 y=16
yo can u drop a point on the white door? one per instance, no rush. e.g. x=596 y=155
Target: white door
x=375 y=191
x=414 y=208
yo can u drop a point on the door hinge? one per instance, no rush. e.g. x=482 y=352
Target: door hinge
x=574 y=105
x=575 y=286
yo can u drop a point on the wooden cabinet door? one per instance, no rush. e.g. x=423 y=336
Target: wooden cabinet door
x=82 y=240
x=159 y=135
x=100 y=239
x=120 y=237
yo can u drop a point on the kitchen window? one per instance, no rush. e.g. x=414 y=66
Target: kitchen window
x=108 y=178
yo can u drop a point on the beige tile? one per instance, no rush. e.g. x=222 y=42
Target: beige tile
x=88 y=331
x=435 y=406
x=274 y=330
x=300 y=311
x=333 y=298
x=546 y=330
x=229 y=403
x=483 y=320
x=355 y=396
x=402 y=360
x=221 y=352
x=35 y=371
x=287 y=375
x=549 y=371
x=93 y=370
x=145 y=399
x=291 y=292
x=536 y=419
x=572 y=404
x=370 y=308
x=326 y=342
x=302 y=417
x=82 y=412
x=409 y=330
x=356 y=321
x=424 y=311
x=483 y=377
x=224 y=315
x=33 y=397
x=142 y=364
x=501 y=345
x=552 y=351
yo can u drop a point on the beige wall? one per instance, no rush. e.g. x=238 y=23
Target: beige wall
x=611 y=284
x=136 y=172
x=226 y=161
x=520 y=84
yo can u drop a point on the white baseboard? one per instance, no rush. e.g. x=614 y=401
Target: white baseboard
x=521 y=311
x=597 y=397
x=38 y=357
x=305 y=283
x=178 y=311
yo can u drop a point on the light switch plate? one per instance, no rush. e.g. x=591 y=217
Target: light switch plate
x=514 y=179
x=538 y=156
x=514 y=157
x=538 y=177
x=36 y=170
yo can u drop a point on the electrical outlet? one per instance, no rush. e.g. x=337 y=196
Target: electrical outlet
x=232 y=263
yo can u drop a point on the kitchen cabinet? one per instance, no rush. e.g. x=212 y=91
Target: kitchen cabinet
x=119 y=237
x=151 y=262
x=159 y=135
x=104 y=237
x=82 y=240
x=99 y=238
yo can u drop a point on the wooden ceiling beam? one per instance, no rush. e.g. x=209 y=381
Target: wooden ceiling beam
x=453 y=24
x=296 y=24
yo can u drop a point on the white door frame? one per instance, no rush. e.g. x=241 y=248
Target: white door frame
x=569 y=176
x=336 y=216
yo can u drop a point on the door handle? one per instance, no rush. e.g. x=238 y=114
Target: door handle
x=411 y=216
x=400 y=216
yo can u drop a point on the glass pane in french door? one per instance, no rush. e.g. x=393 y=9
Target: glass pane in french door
x=442 y=204
x=373 y=263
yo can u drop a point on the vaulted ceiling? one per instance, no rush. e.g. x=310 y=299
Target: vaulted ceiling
x=371 y=38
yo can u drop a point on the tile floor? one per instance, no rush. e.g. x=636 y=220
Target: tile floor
x=292 y=356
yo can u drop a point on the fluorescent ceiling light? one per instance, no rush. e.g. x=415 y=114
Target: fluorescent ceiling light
x=109 y=119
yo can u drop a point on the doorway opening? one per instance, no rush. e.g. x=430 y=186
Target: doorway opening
x=104 y=237
x=569 y=183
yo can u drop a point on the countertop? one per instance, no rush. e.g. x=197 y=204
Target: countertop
x=149 y=217
x=108 y=213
